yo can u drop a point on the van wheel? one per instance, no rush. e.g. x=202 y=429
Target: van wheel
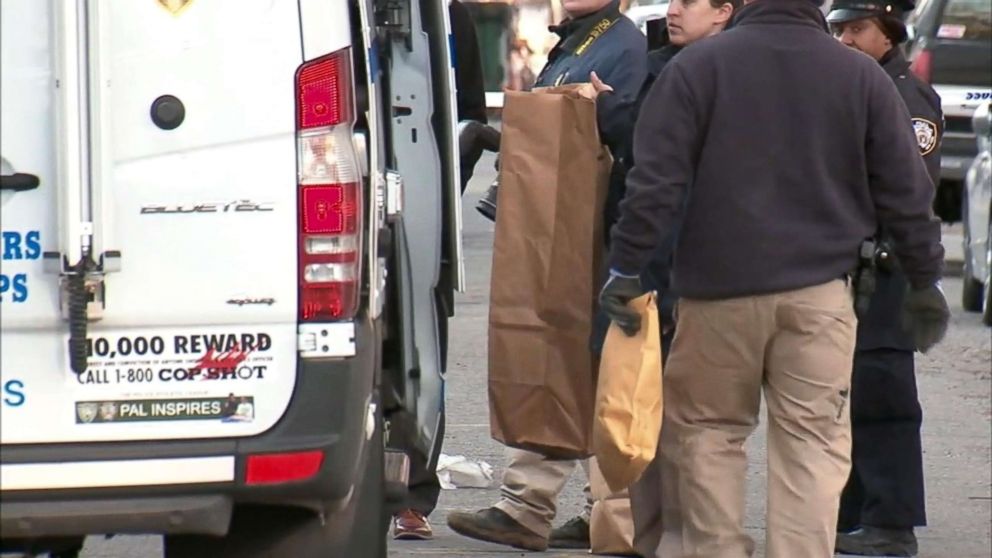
x=971 y=290
x=358 y=530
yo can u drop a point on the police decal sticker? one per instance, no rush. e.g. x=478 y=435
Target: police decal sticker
x=926 y=135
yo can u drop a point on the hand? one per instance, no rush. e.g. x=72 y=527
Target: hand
x=925 y=315
x=599 y=85
x=594 y=88
x=613 y=299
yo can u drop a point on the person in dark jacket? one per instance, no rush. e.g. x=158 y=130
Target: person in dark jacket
x=782 y=174
x=653 y=498
x=598 y=45
x=603 y=47
x=411 y=523
x=884 y=497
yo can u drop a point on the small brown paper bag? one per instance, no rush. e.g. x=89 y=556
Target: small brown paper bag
x=629 y=399
x=611 y=522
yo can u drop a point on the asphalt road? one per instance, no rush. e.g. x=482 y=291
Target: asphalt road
x=954 y=380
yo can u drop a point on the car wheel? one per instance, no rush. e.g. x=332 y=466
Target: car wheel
x=971 y=291
x=359 y=529
x=987 y=295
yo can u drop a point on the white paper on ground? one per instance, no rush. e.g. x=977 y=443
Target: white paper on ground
x=456 y=471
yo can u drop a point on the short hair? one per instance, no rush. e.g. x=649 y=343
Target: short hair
x=735 y=4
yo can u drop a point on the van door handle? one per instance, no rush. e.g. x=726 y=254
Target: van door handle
x=19 y=182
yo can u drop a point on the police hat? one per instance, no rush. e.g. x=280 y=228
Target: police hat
x=842 y=11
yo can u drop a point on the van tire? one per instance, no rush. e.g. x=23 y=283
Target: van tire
x=359 y=529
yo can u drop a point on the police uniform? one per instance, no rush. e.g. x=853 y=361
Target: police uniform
x=610 y=44
x=620 y=61
x=885 y=489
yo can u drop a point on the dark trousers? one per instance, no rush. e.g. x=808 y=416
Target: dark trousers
x=423 y=488
x=886 y=484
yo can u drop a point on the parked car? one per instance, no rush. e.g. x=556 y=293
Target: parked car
x=951 y=48
x=976 y=213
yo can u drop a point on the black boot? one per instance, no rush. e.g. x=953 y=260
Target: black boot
x=573 y=534
x=495 y=526
x=876 y=541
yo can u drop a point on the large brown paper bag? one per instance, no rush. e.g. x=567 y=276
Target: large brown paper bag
x=611 y=521
x=553 y=179
x=629 y=399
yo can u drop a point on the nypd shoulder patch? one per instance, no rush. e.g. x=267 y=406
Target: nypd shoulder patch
x=926 y=135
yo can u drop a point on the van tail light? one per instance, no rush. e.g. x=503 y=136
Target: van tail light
x=273 y=468
x=922 y=65
x=330 y=190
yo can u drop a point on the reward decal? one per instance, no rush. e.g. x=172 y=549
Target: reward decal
x=232 y=408
x=18 y=246
x=179 y=358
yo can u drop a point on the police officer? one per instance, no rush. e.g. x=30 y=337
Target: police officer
x=883 y=500
x=598 y=45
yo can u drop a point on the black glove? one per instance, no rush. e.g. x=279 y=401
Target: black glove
x=613 y=300
x=925 y=315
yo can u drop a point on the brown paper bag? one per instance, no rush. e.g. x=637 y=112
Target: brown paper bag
x=611 y=521
x=629 y=399
x=553 y=179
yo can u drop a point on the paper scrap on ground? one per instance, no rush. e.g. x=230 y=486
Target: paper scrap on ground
x=456 y=471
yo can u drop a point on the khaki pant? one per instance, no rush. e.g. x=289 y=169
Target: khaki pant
x=798 y=348
x=531 y=484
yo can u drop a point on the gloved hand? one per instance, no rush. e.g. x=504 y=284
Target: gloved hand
x=925 y=315
x=614 y=297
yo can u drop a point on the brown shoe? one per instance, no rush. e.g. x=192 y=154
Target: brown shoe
x=411 y=525
x=495 y=526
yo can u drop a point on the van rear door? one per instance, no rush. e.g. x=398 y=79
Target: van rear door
x=171 y=168
x=28 y=215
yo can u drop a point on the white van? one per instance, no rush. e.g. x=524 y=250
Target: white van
x=230 y=237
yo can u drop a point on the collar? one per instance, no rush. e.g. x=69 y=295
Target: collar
x=577 y=33
x=782 y=12
x=659 y=58
x=894 y=62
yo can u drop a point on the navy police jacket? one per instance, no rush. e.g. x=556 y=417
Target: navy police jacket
x=882 y=327
x=609 y=44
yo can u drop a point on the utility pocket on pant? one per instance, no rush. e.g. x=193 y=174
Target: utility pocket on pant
x=844 y=406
